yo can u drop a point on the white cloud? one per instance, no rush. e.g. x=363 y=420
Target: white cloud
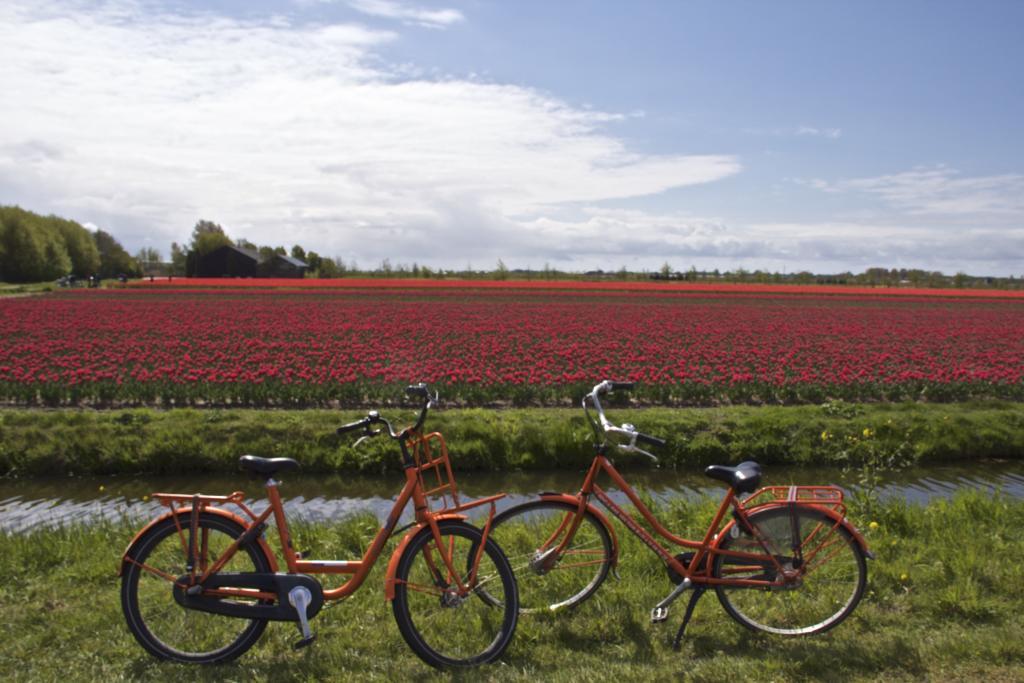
x=940 y=190
x=831 y=133
x=799 y=131
x=609 y=238
x=389 y=9
x=144 y=122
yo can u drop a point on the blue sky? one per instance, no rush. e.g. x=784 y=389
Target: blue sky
x=825 y=136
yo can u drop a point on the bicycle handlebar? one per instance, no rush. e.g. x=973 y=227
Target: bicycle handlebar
x=650 y=440
x=373 y=417
x=626 y=431
x=353 y=426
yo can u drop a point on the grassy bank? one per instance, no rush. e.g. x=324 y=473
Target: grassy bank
x=57 y=442
x=943 y=603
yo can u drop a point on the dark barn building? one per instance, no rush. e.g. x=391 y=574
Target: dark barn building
x=228 y=261
x=284 y=266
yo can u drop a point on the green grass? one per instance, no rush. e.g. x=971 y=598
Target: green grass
x=943 y=603
x=15 y=289
x=144 y=440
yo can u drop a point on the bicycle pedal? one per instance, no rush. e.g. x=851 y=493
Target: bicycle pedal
x=659 y=614
x=298 y=645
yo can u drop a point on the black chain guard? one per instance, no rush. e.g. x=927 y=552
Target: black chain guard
x=279 y=584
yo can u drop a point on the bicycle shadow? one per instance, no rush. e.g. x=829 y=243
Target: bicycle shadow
x=820 y=657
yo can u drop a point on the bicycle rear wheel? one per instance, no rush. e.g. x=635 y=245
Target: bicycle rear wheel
x=161 y=625
x=529 y=534
x=444 y=627
x=833 y=573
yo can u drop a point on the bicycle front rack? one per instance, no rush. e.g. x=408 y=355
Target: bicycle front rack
x=434 y=469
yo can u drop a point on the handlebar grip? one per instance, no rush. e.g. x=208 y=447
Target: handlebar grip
x=650 y=440
x=623 y=386
x=417 y=390
x=353 y=426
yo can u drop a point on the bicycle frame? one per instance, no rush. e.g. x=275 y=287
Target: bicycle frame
x=698 y=569
x=414 y=489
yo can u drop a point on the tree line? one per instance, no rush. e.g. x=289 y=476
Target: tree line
x=35 y=248
x=208 y=236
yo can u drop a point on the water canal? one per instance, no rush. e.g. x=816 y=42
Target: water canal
x=29 y=503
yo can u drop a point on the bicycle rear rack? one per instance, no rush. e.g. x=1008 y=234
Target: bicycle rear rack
x=830 y=497
x=176 y=502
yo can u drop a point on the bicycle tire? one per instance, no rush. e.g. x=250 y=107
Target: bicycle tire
x=443 y=628
x=578 y=573
x=823 y=597
x=162 y=626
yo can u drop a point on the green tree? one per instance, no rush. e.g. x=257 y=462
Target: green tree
x=501 y=271
x=32 y=247
x=80 y=246
x=114 y=260
x=179 y=259
x=57 y=261
x=313 y=260
x=21 y=247
x=148 y=258
x=207 y=236
x=329 y=268
x=299 y=253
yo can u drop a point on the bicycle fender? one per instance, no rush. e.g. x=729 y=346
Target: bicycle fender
x=843 y=522
x=187 y=512
x=389 y=577
x=575 y=500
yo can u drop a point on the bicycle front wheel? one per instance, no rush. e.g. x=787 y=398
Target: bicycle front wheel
x=829 y=564
x=446 y=626
x=530 y=535
x=161 y=625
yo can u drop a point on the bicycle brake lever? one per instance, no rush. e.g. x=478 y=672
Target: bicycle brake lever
x=649 y=455
x=630 y=448
x=368 y=434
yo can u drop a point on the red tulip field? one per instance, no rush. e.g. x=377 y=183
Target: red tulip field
x=507 y=343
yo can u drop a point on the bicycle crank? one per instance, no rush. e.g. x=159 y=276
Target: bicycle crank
x=300 y=598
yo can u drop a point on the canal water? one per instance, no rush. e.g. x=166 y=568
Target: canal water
x=29 y=503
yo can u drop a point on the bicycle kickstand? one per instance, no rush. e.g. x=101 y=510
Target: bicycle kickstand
x=694 y=597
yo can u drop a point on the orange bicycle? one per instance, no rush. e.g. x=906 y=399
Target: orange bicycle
x=786 y=561
x=200 y=583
